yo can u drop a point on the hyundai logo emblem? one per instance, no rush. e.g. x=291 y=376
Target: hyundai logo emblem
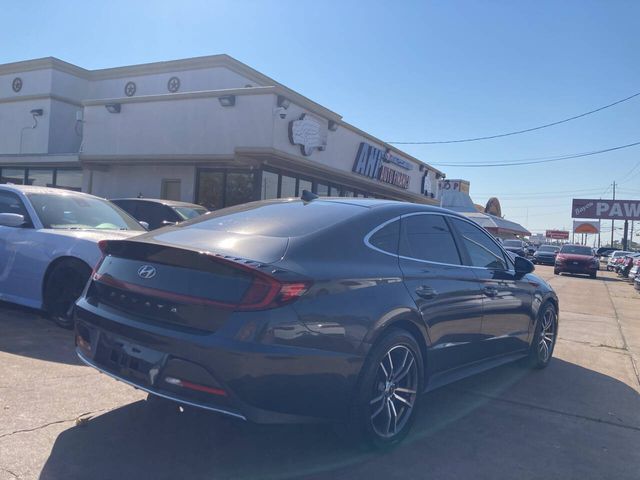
x=146 y=271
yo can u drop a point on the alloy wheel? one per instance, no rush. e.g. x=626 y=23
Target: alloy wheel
x=547 y=335
x=394 y=391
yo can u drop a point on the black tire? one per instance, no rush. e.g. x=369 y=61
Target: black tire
x=64 y=286
x=388 y=395
x=556 y=272
x=593 y=275
x=547 y=332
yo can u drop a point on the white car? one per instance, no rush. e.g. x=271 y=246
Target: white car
x=49 y=245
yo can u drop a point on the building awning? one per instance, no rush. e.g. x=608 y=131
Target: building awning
x=461 y=202
x=496 y=225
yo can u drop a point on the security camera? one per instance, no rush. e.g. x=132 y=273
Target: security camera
x=281 y=112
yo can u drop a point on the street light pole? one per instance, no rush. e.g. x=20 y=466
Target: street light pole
x=614 y=197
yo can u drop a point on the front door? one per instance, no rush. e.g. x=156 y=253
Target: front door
x=446 y=292
x=506 y=320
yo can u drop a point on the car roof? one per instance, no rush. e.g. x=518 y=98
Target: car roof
x=169 y=203
x=39 y=189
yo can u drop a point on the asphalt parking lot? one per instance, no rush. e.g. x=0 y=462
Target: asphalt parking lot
x=579 y=418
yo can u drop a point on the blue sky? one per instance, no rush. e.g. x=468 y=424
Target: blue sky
x=404 y=71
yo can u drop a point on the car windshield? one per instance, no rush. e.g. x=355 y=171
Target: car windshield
x=548 y=248
x=577 y=250
x=78 y=212
x=513 y=243
x=189 y=212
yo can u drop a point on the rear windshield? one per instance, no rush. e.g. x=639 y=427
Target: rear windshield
x=276 y=219
x=577 y=250
x=189 y=212
x=548 y=248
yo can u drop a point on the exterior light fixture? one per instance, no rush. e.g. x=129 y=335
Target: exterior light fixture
x=227 y=100
x=37 y=112
x=113 y=107
x=283 y=102
x=333 y=126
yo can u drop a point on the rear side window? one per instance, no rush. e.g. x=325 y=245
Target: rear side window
x=276 y=218
x=387 y=238
x=10 y=203
x=482 y=250
x=427 y=237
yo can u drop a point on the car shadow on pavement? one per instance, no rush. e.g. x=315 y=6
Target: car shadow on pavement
x=25 y=332
x=511 y=422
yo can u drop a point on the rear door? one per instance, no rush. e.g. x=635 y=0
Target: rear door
x=506 y=320
x=445 y=291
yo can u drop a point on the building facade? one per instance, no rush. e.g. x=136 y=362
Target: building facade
x=209 y=130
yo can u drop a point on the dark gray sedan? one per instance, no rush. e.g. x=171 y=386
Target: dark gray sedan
x=317 y=309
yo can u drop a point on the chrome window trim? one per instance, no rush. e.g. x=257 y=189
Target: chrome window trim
x=368 y=236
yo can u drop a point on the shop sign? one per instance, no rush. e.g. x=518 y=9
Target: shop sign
x=557 y=234
x=606 y=209
x=370 y=163
x=309 y=133
x=586 y=226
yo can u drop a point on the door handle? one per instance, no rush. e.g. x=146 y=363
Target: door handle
x=490 y=291
x=425 y=291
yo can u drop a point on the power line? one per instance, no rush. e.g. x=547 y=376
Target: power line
x=517 y=132
x=533 y=162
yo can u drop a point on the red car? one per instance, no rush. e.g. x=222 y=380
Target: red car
x=576 y=259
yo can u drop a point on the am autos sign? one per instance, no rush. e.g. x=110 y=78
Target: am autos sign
x=606 y=209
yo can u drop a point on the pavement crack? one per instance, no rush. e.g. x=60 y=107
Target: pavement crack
x=14 y=475
x=624 y=339
x=55 y=422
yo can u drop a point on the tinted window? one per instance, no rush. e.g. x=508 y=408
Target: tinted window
x=482 y=250
x=427 y=237
x=186 y=213
x=154 y=214
x=548 y=248
x=279 y=219
x=129 y=206
x=239 y=188
x=10 y=203
x=387 y=238
x=512 y=243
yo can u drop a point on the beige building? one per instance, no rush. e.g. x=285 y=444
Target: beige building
x=210 y=130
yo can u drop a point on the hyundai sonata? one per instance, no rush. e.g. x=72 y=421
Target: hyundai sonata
x=325 y=309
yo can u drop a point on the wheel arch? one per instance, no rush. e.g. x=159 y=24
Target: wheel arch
x=51 y=268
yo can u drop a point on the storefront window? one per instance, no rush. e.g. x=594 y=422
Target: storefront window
x=40 y=177
x=287 y=187
x=239 y=188
x=334 y=191
x=269 y=185
x=69 y=179
x=322 y=190
x=304 y=185
x=347 y=193
x=211 y=189
x=13 y=175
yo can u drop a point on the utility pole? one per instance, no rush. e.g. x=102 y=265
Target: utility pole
x=614 y=197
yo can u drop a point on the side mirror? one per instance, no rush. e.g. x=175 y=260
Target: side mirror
x=523 y=266
x=11 y=220
x=144 y=224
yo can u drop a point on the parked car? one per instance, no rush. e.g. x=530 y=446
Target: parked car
x=635 y=267
x=159 y=213
x=576 y=259
x=518 y=247
x=625 y=267
x=615 y=258
x=289 y=310
x=49 y=245
x=636 y=282
x=546 y=254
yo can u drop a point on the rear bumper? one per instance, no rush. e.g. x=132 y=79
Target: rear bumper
x=260 y=382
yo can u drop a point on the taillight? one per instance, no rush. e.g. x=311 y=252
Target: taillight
x=267 y=292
